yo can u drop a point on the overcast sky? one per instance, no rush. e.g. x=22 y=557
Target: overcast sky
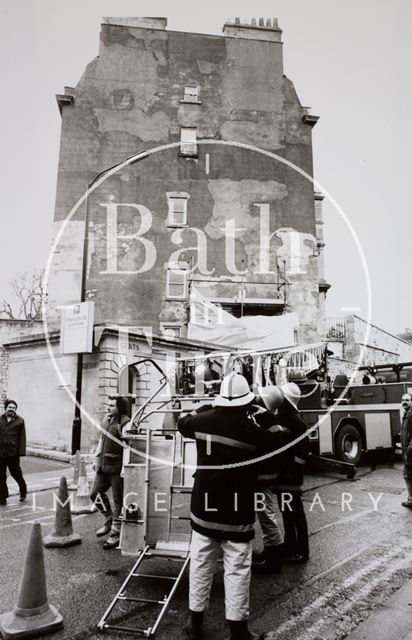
x=349 y=60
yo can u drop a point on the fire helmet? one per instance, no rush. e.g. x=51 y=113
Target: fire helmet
x=272 y=397
x=291 y=392
x=234 y=391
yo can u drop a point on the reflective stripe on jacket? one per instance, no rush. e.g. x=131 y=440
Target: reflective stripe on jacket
x=223 y=495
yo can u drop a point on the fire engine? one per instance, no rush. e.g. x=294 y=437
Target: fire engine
x=358 y=417
x=344 y=420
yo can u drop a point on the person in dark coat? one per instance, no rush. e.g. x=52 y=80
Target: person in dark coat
x=270 y=560
x=12 y=446
x=223 y=501
x=289 y=484
x=108 y=465
x=406 y=442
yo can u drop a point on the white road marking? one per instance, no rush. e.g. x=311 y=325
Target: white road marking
x=335 y=566
x=18 y=524
x=355 y=516
x=360 y=595
x=316 y=605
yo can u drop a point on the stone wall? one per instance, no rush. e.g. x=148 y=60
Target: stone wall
x=10 y=330
x=4 y=370
x=45 y=388
x=131 y=99
x=381 y=347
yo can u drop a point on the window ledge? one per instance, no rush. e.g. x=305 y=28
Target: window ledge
x=183 y=101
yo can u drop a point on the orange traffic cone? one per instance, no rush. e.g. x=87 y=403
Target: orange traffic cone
x=77 y=462
x=82 y=502
x=62 y=534
x=33 y=615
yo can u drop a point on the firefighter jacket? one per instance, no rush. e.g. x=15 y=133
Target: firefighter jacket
x=109 y=453
x=223 y=495
x=289 y=476
x=406 y=437
x=12 y=437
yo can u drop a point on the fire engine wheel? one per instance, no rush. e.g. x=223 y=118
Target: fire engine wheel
x=348 y=444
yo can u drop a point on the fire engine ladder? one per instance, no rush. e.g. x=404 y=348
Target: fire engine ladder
x=122 y=596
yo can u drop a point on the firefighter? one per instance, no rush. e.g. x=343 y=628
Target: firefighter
x=223 y=502
x=286 y=482
x=406 y=441
x=289 y=483
x=270 y=560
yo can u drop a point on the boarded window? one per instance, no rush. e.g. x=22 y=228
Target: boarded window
x=177 y=208
x=176 y=284
x=171 y=330
x=191 y=93
x=188 y=146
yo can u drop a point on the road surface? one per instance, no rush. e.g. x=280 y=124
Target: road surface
x=361 y=553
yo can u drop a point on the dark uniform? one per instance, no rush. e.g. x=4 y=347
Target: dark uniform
x=288 y=487
x=223 y=502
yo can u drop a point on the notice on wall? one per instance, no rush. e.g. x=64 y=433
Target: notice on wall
x=76 y=328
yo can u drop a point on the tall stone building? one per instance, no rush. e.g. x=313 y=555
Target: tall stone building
x=225 y=209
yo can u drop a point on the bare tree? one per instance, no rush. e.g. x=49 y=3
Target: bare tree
x=29 y=295
x=406 y=335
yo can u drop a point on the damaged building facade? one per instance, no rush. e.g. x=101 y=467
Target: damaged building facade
x=222 y=203
x=216 y=203
x=184 y=192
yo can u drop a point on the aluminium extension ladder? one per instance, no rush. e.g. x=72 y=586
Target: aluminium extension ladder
x=121 y=596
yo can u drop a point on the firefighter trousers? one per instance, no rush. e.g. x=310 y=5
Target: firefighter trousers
x=237 y=561
x=271 y=534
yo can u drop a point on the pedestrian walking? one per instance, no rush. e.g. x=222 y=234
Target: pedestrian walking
x=12 y=447
x=108 y=466
x=223 y=502
x=406 y=442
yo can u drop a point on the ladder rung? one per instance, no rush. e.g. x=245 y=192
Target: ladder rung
x=149 y=575
x=149 y=600
x=127 y=629
x=180 y=489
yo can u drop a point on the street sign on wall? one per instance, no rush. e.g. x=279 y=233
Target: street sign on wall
x=76 y=328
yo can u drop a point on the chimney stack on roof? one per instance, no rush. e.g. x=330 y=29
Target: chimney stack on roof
x=256 y=29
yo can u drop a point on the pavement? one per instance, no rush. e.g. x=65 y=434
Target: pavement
x=390 y=621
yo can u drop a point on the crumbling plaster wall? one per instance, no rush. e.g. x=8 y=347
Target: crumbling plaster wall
x=129 y=100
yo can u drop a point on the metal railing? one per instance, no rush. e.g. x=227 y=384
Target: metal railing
x=335 y=328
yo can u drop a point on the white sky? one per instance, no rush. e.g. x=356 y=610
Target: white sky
x=349 y=60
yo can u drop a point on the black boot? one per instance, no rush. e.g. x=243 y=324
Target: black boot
x=194 y=625
x=240 y=631
x=271 y=561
